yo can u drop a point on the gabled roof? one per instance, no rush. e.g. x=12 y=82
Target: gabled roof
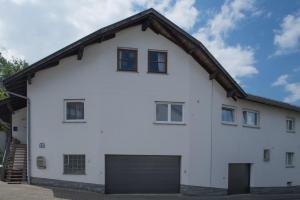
x=148 y=19
x=159 y=24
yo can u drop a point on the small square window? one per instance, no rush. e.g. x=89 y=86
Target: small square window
x=251 y=118
x=127 y=60
x=289 y=160
x=267 y=155
x=228 y=114
x=74 y=164
x=157 y=62
x=169 y=112
x=74 y=110
x=290 y=125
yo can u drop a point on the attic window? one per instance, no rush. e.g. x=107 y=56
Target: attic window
x=157 y=62
x=127 y=60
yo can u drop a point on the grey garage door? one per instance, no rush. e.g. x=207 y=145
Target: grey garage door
x=142 y=174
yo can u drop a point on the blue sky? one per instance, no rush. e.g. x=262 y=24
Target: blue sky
x=257 y=41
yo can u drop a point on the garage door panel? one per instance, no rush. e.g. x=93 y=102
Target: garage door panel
x=142 y=174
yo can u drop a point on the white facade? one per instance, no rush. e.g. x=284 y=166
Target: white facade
x=120 y=115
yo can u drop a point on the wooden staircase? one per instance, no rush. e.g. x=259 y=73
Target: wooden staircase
x=16 y=165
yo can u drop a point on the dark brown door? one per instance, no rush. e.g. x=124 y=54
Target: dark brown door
x=238 y=178
x=142 y=174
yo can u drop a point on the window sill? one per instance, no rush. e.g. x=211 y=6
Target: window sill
x=229 y=123
x=169 y=123
x=83 y=174
x=288 y=131
x=67 y=121
x=133 y=71
x=250 y=126
x=291 y=166
x=161 y=73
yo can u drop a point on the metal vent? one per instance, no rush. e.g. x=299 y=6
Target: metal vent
x=41 y=162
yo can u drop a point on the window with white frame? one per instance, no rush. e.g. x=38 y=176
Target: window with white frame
x=267 y=155
x=168 y=112
x=290 y=124
x=228 y=114
x=74 y=164
x=74 y=110
x=289 y=159
x=251 y=118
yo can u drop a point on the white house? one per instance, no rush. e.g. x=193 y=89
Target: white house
x=140 y=106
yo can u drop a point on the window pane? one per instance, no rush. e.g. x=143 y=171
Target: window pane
x=228 y=114
x=176 y=113
x=250 y=118
x=289 y=159
x=245 y=117
x=75 y=110
x=290 y=124
x=157 y=62
x=161 y=112
x=266 y=155
x=127 y=60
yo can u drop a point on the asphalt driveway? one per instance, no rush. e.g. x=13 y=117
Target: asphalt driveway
x=29 y=192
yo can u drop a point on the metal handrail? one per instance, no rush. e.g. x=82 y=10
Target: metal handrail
x=5 y=155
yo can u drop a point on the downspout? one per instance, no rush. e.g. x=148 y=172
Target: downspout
x=211 y=132
x=28 y=141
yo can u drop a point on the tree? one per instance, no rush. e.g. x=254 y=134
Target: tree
x=8 y=68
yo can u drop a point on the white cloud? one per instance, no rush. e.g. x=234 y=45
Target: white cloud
x=297 y=69
x=87 y=17
x=36 y=28
x=292 y=88
x=183 y=13
x=281 y=81
x=10 y=54
x=287 y=39
x=239 y=61
x=21 y=2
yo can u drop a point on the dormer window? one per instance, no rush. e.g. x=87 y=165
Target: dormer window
x=157 y=61
x=127 y=60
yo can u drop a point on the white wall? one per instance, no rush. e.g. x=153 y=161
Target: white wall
x=238 y=144
x=19 y=120
x=119 y=110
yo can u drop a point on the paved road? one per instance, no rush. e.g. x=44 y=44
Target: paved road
x=29 y=192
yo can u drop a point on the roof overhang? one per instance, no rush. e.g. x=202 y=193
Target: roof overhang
x=271 y=102
x=8 y=106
